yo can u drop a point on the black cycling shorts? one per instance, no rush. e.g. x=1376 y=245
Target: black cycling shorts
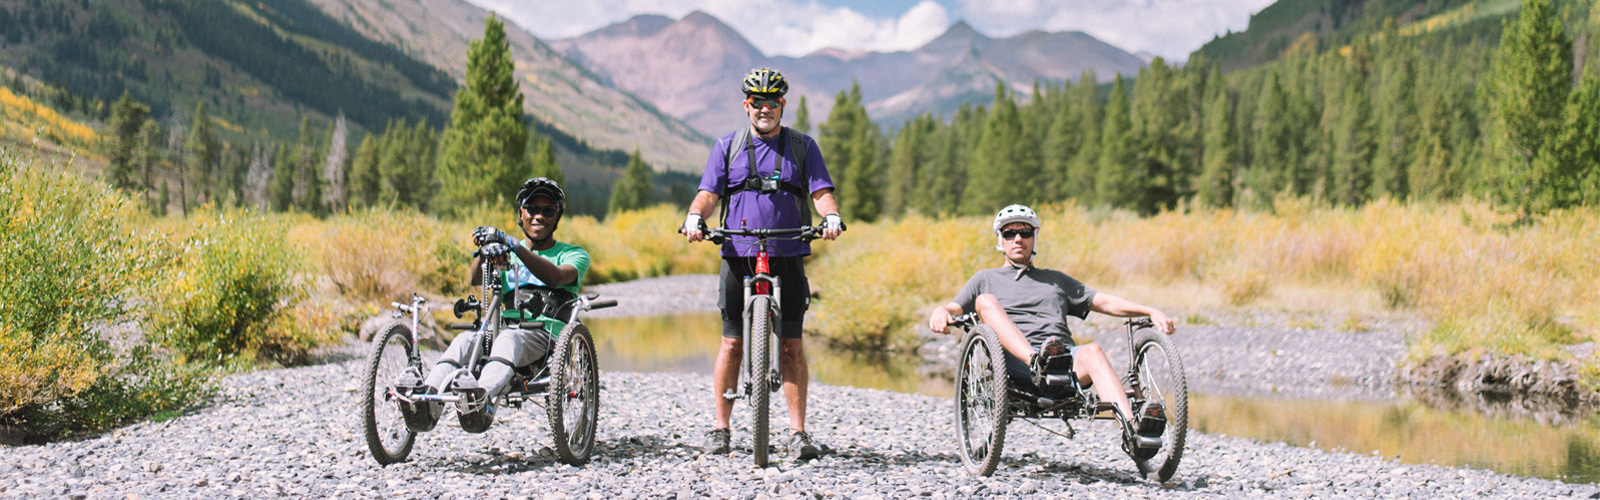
x=791 y=273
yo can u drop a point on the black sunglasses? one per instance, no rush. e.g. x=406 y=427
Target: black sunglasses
x=1012 y=233
x=547 y=211
x=758 y=103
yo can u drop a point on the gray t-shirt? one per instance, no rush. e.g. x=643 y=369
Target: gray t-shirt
x=1037 y=300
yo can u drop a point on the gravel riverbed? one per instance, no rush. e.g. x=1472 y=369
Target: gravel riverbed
x=295 y=433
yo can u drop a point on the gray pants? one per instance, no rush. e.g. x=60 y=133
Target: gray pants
x=514 y=348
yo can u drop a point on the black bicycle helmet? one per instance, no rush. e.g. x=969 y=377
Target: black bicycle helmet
x=765 y=82
x=544 y=186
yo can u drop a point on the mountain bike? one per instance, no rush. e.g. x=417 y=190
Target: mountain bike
x=986 y=400
x=566 y=379
x=759 y=372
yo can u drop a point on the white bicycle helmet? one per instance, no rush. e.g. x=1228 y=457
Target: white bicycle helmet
x=1015 y=213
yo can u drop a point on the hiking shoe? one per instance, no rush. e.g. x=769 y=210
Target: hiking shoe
x=717 y=442
x=800 y=446
x=422 y=416
x=1152 y=421
x=1052 y=367
x=478 y=416
x=1136 y=445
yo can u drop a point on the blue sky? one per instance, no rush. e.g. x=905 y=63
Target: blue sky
x=1168 y=28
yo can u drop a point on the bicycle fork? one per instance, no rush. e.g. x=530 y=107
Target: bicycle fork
x=760 y=284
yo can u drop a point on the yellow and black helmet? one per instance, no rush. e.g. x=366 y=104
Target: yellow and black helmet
x=765 y=82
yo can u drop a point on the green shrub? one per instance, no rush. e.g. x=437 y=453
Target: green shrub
x=71 y=267
x=233 y=290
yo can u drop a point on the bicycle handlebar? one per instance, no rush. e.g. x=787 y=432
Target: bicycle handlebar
x=719 y=234
x=965 y=321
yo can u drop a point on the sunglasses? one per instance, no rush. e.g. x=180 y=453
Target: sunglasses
x=1012 y=233
x=756 y=103
x=547 y=211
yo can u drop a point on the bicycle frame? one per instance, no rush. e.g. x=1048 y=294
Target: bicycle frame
x=762 y=283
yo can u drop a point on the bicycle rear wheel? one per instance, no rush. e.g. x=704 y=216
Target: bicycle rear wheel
x=760 y=365
x=388 y=438
x=981 y=388
x=573 y=402
x=1161 y=379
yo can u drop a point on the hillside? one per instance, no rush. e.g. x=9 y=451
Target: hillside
x=1301 y=26
x=690 y=68
x=564 y=96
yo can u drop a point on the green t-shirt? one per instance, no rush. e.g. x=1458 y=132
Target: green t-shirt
x=560 y=254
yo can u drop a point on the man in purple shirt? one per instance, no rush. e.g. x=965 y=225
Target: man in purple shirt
x=764 y=175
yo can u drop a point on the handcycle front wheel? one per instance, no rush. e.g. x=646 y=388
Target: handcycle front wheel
x=760 y=383
x=1160 y=379
x=573 y=400
x=981 y=391
x=388 y=438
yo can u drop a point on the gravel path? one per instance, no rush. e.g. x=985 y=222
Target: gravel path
x=294 y=433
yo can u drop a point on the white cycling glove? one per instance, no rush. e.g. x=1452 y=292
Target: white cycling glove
x=693 y=221
x=833 y=221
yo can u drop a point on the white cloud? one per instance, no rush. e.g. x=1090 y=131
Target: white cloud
x=1168 y=28
x=776 y=27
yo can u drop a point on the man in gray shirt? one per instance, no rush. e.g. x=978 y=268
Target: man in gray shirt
x=1028 y=307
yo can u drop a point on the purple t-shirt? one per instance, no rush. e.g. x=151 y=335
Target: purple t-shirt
x=763 y=211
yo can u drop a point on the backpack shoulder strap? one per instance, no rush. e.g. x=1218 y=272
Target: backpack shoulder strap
x=740 y=142
x=797 y=143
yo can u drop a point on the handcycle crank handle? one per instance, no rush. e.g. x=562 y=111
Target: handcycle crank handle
x=965 y=321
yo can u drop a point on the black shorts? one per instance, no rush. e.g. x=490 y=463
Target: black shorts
x=791 y=273
x=1022 y=375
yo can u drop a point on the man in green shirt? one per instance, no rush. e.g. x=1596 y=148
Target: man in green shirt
x=538 y=260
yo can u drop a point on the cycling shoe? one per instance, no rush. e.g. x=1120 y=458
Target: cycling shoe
x=1052 y=367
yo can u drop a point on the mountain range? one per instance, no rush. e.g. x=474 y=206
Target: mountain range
x=565 y=96
x=691 y=67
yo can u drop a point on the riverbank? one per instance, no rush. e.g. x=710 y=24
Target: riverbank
x=293 y=432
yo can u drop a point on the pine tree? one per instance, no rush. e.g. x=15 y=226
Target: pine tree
x=902 y=170
x=1004 y=167
x=802 y=118
x=335 y=167
x=1164 y=139
x=148 y=155
x=849 y=141
x=484 y=150
x=365 y=179
x=542 y=154
x=127 y=118
x=160 y=209
x=1270 y=156
x=1221 y=154
x=634 y=191
x=1397 y=129
x=421 y=153
x=1114 y=182
x=281 y=195
x=202 y=150
x=1087 y=111
x=399 y=187
x=1529 y=85
x=1571 y=165
x=175 y=154
x=307 y=178
x=1352 y=142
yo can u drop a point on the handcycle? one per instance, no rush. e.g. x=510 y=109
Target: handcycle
x=759 y=373
x=567 y=377
x=986 y=400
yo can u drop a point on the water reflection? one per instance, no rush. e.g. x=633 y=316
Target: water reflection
x=1412 y=433
x=688 y=343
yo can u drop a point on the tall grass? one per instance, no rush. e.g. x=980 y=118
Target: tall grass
x=1488 y=285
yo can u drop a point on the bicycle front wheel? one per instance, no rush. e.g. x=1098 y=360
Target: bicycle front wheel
x=981 y=387
x=1161 y=380
x=573 y=402
x=760 y=365
x=388 y=438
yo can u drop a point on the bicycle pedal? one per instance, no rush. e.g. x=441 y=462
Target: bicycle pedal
x=731 y=396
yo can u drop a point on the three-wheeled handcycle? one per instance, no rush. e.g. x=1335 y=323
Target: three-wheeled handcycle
x=566 y=379
x=986 y=398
